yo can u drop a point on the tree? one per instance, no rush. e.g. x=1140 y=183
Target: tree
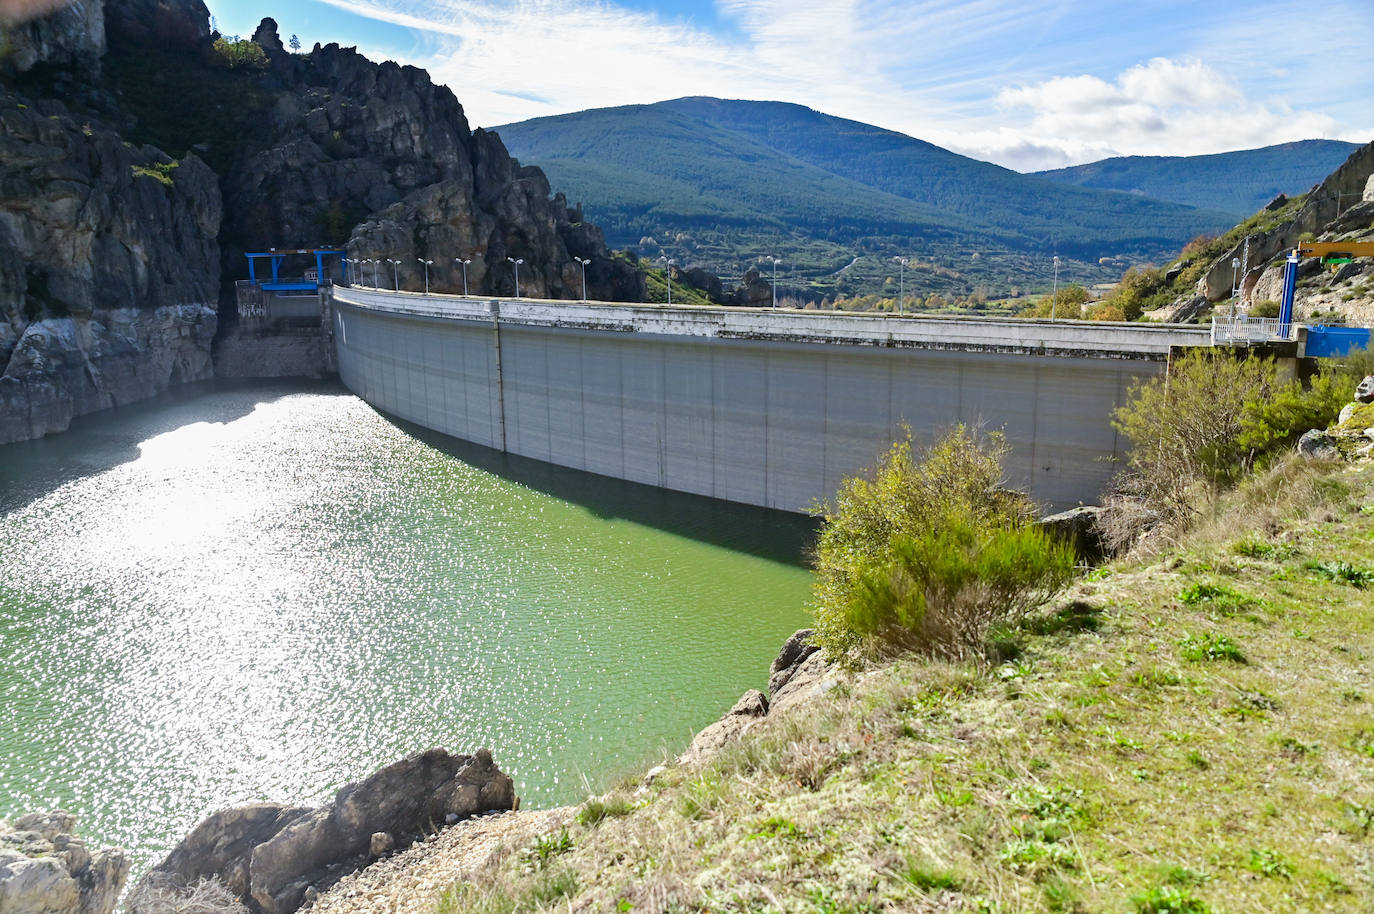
x=295 y=44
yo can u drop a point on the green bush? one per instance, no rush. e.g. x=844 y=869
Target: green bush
x=1278 y=420
x=1266 y=308
x=241 y=55
x=931 y=552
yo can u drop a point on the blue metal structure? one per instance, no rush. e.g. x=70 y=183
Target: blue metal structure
x=1329 y=342
x=1290 y=285
x=278 y=284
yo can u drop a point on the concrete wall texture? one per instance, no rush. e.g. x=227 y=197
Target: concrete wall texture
x=755 y=419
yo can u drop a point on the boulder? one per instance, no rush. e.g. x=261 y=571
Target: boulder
x=795 y=650
x=1364 y=391
x=1078 y=527
x=753 y=292
x=271 y=856
x=1317 y=445
x=46 y=869
x=1368 y=195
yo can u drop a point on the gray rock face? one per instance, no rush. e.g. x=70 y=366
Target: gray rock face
x=109 y=269
x=46 y=869
x=73 y=35
x=1317 y=445
x=795 y=651
x=64 y=367
x=1315 y=215
x=181 y=24
x=270 y=855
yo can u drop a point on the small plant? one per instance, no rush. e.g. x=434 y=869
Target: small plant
x=1217 y=597
x=1197 y=760
x=1268 y=862
x=1169 y=899
x=776 y=827
x=931 y=552
x=1210 y=646
x=547 y=847
x=928 y=879
x=599 y=808
x=1342 y=572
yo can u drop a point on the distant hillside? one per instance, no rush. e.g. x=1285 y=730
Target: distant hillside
x=1237 y=183
x=725 y=183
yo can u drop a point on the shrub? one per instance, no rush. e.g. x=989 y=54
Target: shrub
x=1185 y=427
x=1266 y=308
x=931 y=552
x=241 y=55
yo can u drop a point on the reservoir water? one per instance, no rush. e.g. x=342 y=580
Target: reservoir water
x=263 y=592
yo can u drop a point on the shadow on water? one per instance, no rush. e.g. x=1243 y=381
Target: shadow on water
x=95 y=443
x=761 y=532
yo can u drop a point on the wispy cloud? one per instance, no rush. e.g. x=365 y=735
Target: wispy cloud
x=1030 y=84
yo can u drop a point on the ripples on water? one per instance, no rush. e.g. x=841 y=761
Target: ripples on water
x=261 y=593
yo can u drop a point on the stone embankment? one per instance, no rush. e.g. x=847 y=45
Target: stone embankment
x=46 y=869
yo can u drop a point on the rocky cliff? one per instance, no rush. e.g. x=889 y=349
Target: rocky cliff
x=1336 y=205
x=46 y=869
x=109 y=269
x=140 y=158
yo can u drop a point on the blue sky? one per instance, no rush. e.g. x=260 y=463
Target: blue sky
x=1026 y=84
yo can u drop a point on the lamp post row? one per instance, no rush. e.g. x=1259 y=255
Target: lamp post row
x=515 y=262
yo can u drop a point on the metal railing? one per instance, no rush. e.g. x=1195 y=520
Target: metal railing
x=1242 y=330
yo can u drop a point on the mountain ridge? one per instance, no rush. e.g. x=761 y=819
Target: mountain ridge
x=824 y=186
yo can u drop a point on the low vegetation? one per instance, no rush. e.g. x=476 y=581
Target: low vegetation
x=931 y=553
x=1188 y=732
x=1205 y=425
x=1187 y=729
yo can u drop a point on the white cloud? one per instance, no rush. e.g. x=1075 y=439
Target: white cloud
x=977 y=76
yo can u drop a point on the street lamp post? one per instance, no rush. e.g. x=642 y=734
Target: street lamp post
x=584 y=261
x=1054 y=296
x=465 y=273
x=428 y=264
x=1235 y=284
x=776 y=261
x=668 y=275
x=515 y=262
x=376 y=263
x=395 y=274
x=901 y=283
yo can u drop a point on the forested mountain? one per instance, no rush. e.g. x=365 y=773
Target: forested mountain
x=1237 y=183
x=726 y=183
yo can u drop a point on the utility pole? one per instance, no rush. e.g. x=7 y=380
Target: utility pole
x=465 y=273
x=776 y=261
x=584 y=262
x=515 y=262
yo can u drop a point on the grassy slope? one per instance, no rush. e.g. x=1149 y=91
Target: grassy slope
x=1236 y=183
x=1100 y=764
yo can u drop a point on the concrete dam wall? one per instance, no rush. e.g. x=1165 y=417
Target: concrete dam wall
x=765 y=408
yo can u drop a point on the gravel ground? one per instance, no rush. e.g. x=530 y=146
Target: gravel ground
x=411 y=881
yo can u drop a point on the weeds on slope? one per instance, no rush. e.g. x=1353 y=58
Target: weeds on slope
x=1102 y=769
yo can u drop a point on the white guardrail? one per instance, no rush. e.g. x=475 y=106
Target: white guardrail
x=1248 y=330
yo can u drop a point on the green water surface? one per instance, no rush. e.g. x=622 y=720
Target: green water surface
x=263 y=592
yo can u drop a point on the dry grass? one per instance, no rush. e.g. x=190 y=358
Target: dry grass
x=1099 y=770
x=160 y=894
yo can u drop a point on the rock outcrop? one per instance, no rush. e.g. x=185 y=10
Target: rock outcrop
x=109 y=269
x=46 y=869
x=312 y=150
x=71 y=35
x=1337 y=196
x=799 y=672
x=271 y=856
